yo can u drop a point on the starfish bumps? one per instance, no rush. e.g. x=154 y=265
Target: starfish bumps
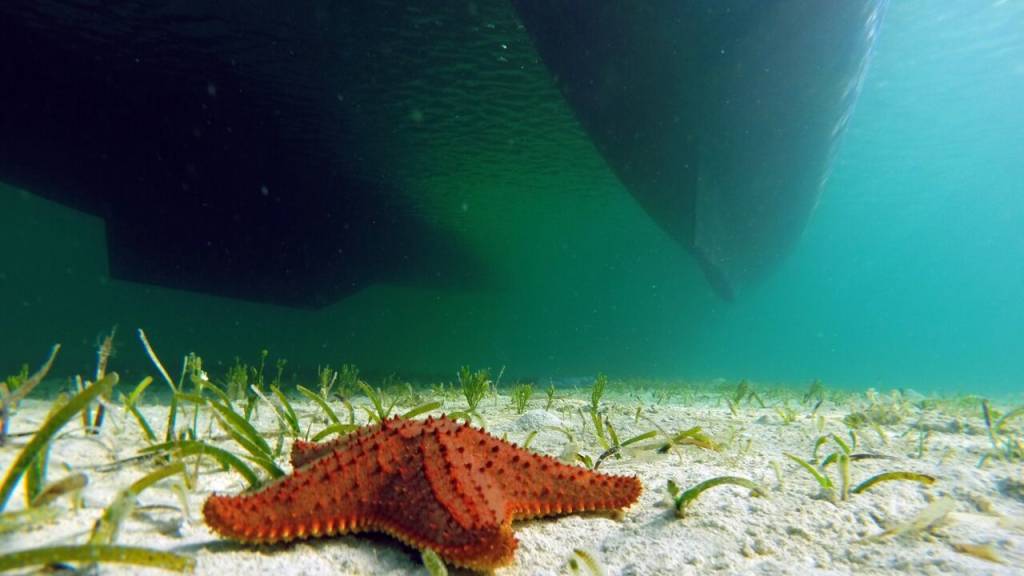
x=430 y=483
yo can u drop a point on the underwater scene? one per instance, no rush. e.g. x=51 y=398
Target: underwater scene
x=513 y=287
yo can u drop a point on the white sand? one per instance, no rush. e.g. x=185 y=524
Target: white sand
x=795 y=530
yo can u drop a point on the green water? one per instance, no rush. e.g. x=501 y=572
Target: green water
x=909 y=274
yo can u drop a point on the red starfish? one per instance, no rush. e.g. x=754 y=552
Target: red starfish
x=430 y=483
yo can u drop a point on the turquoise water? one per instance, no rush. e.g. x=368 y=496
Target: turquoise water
x=909 y=274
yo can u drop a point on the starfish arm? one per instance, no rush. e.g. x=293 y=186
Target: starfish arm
x=459 y=482
x=304 y=452
x=539 y=485
x=332 y=495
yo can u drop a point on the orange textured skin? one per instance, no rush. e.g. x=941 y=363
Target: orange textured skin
x=430 y=483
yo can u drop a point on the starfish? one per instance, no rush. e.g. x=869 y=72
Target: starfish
x=433 y=484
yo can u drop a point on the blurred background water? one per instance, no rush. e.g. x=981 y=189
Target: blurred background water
x=909 y=275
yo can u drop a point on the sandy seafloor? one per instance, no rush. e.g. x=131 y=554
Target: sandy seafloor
x=795 y=530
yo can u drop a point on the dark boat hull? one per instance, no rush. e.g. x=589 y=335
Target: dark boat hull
x=215 y=140
x=722 y=118
x=210 y=138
